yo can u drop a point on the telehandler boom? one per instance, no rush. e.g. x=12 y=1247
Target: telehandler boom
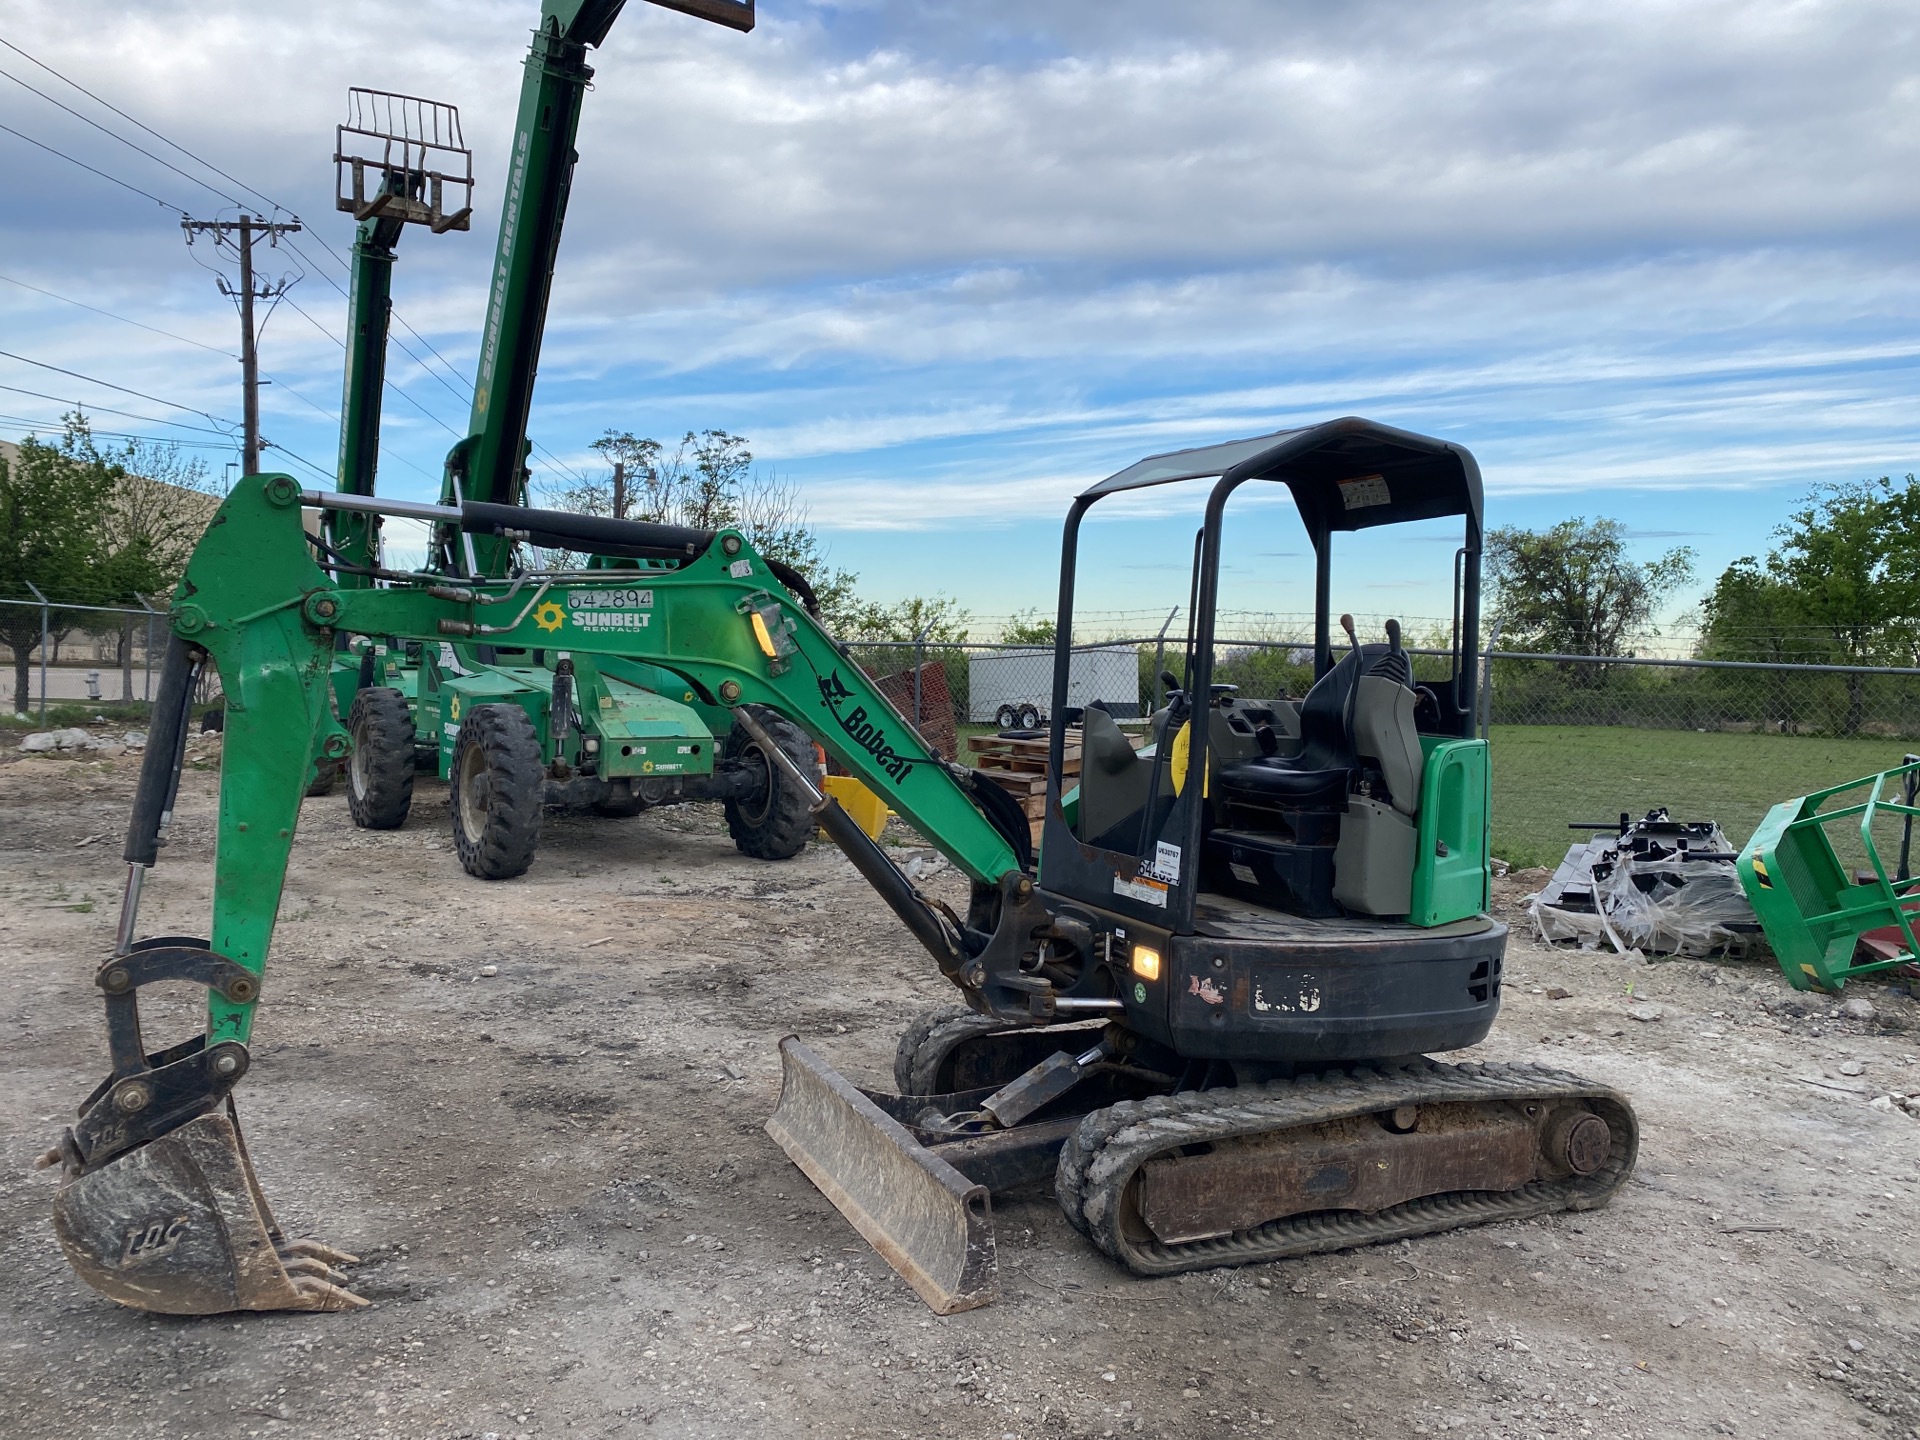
x=613 y=735
x=1201 y=1016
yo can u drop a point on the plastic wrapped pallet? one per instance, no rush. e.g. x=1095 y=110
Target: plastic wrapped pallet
x=1648 y=893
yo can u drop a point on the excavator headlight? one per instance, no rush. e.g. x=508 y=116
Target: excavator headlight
x=1146 y=962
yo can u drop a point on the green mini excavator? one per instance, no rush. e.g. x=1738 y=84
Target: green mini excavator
x=1201 y=1016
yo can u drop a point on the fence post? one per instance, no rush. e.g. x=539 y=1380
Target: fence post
x=1486 y=676
x=147 y=605
x=1160 y=658
x=919 y=659
x=46 y=626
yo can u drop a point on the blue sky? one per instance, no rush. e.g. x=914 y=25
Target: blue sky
x=945 y=263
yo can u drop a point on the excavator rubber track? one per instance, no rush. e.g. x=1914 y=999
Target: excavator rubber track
x=1196 y=1157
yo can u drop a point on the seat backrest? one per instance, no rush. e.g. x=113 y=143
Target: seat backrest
x=1326 y=741
x=1384 y=732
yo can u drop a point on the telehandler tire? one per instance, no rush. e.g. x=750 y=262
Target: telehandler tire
x=778 y=824
x=380 y=769
x=497 y=792
x=324 y=774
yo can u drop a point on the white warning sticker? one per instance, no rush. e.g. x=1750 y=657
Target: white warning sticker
x=1364 y=490
x=740 y=569
x=1148 y=892
x=1243 y=873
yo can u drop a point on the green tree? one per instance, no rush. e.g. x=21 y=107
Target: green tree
x=709 y=481
x=54 y=503
x=161 y=505
x=1572 y=589
x=1027 y=627
x=1842 y=586
x=936 y=619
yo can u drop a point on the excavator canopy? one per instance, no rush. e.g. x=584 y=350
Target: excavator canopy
x=1346 y=474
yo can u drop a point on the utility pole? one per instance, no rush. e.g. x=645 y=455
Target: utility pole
x=247 y=227
x=619 y=489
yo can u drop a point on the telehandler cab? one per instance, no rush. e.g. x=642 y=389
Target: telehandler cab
x=1202 y=1018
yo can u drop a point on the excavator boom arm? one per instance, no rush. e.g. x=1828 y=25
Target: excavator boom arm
x=255 y=600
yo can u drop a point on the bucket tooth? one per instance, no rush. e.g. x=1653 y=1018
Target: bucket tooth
x=179 y=1226
x=923 y=1217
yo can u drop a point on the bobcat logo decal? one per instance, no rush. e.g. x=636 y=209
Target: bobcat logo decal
x=861 y=728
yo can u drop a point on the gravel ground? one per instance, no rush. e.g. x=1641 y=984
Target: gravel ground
x=574 y=1225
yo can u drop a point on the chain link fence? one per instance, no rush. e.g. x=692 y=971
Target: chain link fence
x=1575 y=738
x=969 y=684
x=78 y=655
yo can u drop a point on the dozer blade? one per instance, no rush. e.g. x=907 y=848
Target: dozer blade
x=180 y=1226
x=924 y=1217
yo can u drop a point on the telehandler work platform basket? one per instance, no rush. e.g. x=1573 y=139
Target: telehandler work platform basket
x=1814 y=910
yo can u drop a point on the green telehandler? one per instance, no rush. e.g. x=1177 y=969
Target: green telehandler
x=605 y=732
x=1201 y=1017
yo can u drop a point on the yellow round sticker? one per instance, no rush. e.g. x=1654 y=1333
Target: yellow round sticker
x=453 y=707
x=550 y=616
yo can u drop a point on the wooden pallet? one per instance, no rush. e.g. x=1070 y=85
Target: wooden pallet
x=1019 y=767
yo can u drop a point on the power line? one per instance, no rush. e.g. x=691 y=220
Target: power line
x=315 y=405
x=148 y=128
x=164 y=205
x=326 y=475
x=405 y=349
x=68 y=299
x=391 y=385
x=194 y=179
x=331 y=252
x=109 y=410
x=36 y=427
x=123 y=389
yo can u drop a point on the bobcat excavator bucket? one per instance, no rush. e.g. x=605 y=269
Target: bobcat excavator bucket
x=158 y=1206
x=179 y=1226
x=925 y=1218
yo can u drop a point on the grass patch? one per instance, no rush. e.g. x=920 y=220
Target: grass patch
x=1547 y=775
x=66 y=714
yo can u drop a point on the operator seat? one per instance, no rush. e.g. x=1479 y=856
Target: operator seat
x=1330 y=830
x=1317 y=778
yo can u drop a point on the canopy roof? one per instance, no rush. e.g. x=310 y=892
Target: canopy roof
x=1346 y=474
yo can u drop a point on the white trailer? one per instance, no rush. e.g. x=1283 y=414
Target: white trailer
x=1014 y=688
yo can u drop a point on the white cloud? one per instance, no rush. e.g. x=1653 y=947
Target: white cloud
x=949 y=261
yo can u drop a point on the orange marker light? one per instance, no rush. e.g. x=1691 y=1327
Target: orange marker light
x=1146 y=962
